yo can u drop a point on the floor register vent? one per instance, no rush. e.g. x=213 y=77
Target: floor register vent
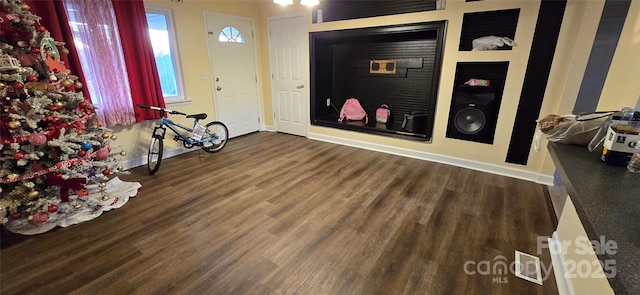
x=528 y=267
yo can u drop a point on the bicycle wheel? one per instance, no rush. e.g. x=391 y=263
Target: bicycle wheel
x=215 y=137
x=154 y=158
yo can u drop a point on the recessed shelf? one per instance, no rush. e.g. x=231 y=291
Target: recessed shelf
x=500 y=23
x=342 y=67
x=473 y=113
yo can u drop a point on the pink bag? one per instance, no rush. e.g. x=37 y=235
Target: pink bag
x=352 y=110
x=382 y=114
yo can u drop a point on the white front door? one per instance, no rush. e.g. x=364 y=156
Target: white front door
x=289 y=55
x=232 y=61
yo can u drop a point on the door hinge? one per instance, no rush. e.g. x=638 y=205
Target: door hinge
x=274 y=115
x=258 y=120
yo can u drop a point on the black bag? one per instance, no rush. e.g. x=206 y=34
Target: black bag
x=416 y=122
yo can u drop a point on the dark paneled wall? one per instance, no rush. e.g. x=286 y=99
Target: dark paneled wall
x=405 y=92
x=345 y=9
x=543 y=47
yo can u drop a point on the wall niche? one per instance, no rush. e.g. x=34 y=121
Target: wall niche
x=341 y=68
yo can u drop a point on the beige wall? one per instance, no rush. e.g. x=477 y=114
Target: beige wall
x=190 y=27
x=576 y=252
x=622 y=87
x=576 y=37
x=569 y=63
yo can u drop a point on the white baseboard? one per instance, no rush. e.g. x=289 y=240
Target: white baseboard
x=557 y=259
x=459 y=162
x=267 y=128
x=139 y=161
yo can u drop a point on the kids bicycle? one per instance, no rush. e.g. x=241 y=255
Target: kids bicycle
x=211 y=137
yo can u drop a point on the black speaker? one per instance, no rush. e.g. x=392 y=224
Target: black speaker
x=473 y=114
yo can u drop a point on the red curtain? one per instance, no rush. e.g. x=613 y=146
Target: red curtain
x=54 y=19
x=138 y=55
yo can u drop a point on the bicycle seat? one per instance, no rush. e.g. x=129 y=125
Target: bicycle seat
x=201 y=116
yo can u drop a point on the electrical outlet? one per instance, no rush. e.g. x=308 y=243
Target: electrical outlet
x=328 y=102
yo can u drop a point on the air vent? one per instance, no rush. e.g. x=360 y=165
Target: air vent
x=528 y=267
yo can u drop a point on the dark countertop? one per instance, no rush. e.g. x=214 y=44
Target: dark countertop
x=607 y=200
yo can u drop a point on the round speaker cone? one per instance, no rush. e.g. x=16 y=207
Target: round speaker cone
x=469 y=120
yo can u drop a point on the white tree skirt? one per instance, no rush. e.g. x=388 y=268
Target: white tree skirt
x=93 y=205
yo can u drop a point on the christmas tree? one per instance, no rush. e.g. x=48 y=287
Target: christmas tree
x=55 y=155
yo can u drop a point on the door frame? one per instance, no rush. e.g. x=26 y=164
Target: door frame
x=255 y=61
x=272 y=66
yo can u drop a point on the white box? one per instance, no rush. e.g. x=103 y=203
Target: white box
x=621 y=142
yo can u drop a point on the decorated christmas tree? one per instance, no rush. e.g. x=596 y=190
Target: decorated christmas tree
x=56 y=157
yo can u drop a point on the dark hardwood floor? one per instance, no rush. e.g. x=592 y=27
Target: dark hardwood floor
x=281 y=214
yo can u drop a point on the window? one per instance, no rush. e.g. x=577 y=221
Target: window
x=165 y=49
x=96 y=37
x=231 y=35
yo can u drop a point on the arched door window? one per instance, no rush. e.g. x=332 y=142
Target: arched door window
x=231 y=35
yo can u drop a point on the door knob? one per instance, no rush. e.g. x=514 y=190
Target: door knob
x=300 y=86
x=218 y=88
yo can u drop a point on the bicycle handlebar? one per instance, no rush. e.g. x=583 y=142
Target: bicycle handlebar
x=161 y=109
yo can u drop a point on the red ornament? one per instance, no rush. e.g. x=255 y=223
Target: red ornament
x=40 y=28
x=82 y=153
x=106 y=171
x=18 y=156
x=102 y=154
x=32 y=78
x=38 y=139
x=70 y=87
x=16 y=215
x=83 y=104
x=35 y=49
x=17 y=85
x=52 y=208
x=52 y=108
x=40 y=217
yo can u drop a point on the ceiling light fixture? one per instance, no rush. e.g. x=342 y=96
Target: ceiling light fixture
x=309 y=2
x=302 y=2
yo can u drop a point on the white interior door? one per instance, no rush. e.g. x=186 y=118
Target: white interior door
x=289 y=55
x=232 y=61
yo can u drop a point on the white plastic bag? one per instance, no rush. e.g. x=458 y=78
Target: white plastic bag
x=490 y=43
x=572 y=130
